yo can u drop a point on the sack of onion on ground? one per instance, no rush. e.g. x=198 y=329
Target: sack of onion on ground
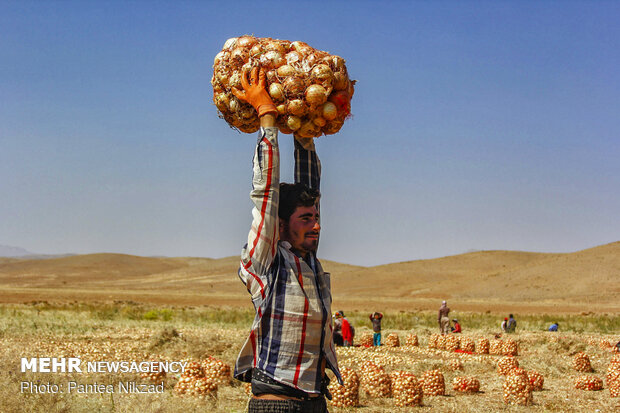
x=310 y=88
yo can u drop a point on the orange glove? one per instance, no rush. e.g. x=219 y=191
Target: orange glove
x=255 y=94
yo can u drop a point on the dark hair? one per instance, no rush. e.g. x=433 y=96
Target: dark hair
x=293 y=196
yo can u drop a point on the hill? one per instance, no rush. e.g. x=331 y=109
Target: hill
x=482 y=281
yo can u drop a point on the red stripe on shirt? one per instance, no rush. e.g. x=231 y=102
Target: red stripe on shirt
x=303 y=327
x=265 y=201
x=257 y=278
x=253 y=341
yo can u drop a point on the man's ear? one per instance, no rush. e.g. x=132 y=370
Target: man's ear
x=280 y=226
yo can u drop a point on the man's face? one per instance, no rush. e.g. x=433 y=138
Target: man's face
x=302 y=229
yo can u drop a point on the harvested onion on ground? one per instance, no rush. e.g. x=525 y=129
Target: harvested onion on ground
x=581 y=362
x=517 y=388
x=506 y=364
x=346 y=395
x=406 y=389
x=466 y=384
x=433 y=383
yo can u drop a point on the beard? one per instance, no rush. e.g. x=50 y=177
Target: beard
x=308 y=242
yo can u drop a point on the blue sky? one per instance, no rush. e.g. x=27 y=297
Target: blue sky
x=477 y=125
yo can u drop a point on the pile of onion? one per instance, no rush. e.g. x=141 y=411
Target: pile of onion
x=310 y=88
x=517 y=388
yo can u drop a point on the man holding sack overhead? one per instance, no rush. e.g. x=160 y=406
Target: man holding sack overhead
x=290 y=344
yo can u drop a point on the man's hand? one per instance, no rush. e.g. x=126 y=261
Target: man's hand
x=255 y=94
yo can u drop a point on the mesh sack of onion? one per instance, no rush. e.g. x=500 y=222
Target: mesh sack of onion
x=310 y=88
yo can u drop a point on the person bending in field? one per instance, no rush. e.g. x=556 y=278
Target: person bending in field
x=337 y=333
x=375 y=319
x=512 y=324
x=457 y=327
x=290 y=344
x=504 y=325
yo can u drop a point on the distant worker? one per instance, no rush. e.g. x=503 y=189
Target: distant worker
x=512 y=324
x=553 y=327
x=443 y=319
x=347 y=331
x=505 y=325
x=457 y=326
x=375 y=319
x=338 y=329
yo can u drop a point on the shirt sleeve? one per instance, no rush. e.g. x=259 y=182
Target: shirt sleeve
x=307 y=167
x=260 y=250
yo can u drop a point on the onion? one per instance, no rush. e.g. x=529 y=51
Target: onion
x=275 y=46
x=292 y=57
x=315 y=95
x=221 y=102
x=294 y=87
x=329 y=111
x=237 y=122
x=276 y=91
x=223 y=78
x=246 y=41
x=246 y=67
x=221 y=56
x=239 y=55
x=296 y=45
x=301 y=47
x=234 y=105
x=230 y=43
x=256 y=50
x=272 y=60
x=217 y=87
x=272 y=77
x=319 y=121
x=332 y=127
x=293 y=123
x=308 y=130
x=322 y=73
x=306 y=66
x=341 y=81
x=235 y=80
x=285 y=129
x=337 y=63
x=246 y=111
x=296 y=107
x=286 y=70
x=281 y=109
x=311 y=59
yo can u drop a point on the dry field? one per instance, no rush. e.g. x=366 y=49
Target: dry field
x=133 y=332
x=114 y=307
x=494 y=281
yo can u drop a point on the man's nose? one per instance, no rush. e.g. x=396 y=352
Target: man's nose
x=317 y=226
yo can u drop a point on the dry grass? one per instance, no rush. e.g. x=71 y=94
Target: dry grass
x=134 y=332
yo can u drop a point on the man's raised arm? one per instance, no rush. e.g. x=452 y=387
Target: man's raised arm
x=260 y=249
x=307 y=164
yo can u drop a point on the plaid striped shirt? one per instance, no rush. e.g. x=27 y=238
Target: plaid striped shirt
x=292 y=331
